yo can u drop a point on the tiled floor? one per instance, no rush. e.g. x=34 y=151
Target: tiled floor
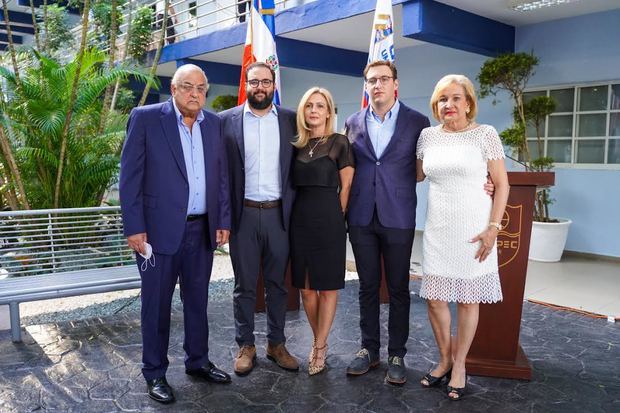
x=575 y=282
x=93 y=365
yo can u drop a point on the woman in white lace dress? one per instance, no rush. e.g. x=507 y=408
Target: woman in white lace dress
x=459 y=253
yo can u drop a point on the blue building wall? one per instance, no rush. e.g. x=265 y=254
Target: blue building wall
x=420 y=67
x=579 y=50
x=589 y=197
x=575 y=50
x=595 y=220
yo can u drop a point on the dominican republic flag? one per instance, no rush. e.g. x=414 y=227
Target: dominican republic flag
x=260 y=44
x=381 y=37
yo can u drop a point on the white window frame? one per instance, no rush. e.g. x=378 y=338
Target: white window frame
x=575 y=114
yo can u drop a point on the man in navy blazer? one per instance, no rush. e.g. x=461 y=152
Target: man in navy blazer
x=381 y=214
x=257 y=136
x=176 y=211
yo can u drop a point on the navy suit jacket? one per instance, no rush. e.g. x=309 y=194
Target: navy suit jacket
x=388 y=182
x=232 y=131
x=153 y=186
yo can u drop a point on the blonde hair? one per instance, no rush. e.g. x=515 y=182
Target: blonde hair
x=468 y=87
x=302 y=127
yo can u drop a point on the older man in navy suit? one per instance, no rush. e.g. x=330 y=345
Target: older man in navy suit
x=176 y=211
x=381 y=214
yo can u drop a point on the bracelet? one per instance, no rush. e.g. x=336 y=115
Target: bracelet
x=496 y=225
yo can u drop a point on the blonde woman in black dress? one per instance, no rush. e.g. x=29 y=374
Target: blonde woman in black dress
x=322 y=174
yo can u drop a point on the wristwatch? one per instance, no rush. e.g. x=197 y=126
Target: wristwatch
x=496 y=225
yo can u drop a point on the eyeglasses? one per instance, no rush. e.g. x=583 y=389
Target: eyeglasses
x=188 y=87
x=264 y=82
x=383 y=80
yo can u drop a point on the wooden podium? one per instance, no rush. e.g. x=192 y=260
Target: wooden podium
x=293 y=293
x=495 y=350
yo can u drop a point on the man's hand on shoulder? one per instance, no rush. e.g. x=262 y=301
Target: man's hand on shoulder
x=136 y=242
x=221 y=236
x=489 y=187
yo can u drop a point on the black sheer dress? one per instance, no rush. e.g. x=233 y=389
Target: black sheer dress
x=318 y=234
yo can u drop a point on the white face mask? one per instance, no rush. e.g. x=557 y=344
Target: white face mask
x=149 y=257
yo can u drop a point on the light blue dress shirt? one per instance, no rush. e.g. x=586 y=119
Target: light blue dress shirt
x=380 y=132
x=193 y=154
x=261 y=139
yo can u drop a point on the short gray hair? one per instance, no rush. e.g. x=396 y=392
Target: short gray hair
x=189 y=67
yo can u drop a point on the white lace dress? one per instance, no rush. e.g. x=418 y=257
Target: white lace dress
x=458 y=209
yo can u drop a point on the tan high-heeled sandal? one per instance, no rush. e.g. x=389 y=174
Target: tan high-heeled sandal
x=312 y=351
x=314 y=367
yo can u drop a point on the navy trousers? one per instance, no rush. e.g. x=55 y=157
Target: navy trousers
x=369 y=243
x=191 y=265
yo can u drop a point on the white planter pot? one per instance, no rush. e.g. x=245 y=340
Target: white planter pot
x=548 y=240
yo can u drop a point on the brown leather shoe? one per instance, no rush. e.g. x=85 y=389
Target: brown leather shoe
x=280 y=355
x=245 y=360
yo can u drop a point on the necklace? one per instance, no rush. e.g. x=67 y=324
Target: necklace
x=456 y=131
x=314 y=147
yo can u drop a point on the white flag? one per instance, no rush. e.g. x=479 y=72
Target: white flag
x=381 y=37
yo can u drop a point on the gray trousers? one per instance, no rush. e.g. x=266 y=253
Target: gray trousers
x=260 y=239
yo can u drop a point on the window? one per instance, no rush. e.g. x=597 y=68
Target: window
x=585 y=127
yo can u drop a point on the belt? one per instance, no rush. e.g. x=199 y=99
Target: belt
x=262 y=204
x=195 y=217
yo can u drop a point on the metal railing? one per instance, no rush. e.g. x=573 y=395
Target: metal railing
x=59 y=240
x=190 y=18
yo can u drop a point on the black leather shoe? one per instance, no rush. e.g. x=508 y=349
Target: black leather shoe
x=396 y=373
x=160 y=391
x=363 y=361
x=210 y=373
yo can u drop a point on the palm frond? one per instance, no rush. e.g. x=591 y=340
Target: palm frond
x=50 y=121
x=9 y=75
x=39 y=154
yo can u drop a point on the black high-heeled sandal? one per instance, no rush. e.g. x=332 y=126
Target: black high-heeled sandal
x=435 y=381
x=458 y=391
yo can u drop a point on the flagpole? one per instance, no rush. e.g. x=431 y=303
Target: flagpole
x=381 y=37
x=251 y=22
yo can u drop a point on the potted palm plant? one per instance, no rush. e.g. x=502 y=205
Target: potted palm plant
x=511 y=73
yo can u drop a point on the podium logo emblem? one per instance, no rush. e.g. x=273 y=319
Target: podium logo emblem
x=509 y=238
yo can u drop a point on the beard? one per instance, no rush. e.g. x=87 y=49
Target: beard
x=260 y=104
